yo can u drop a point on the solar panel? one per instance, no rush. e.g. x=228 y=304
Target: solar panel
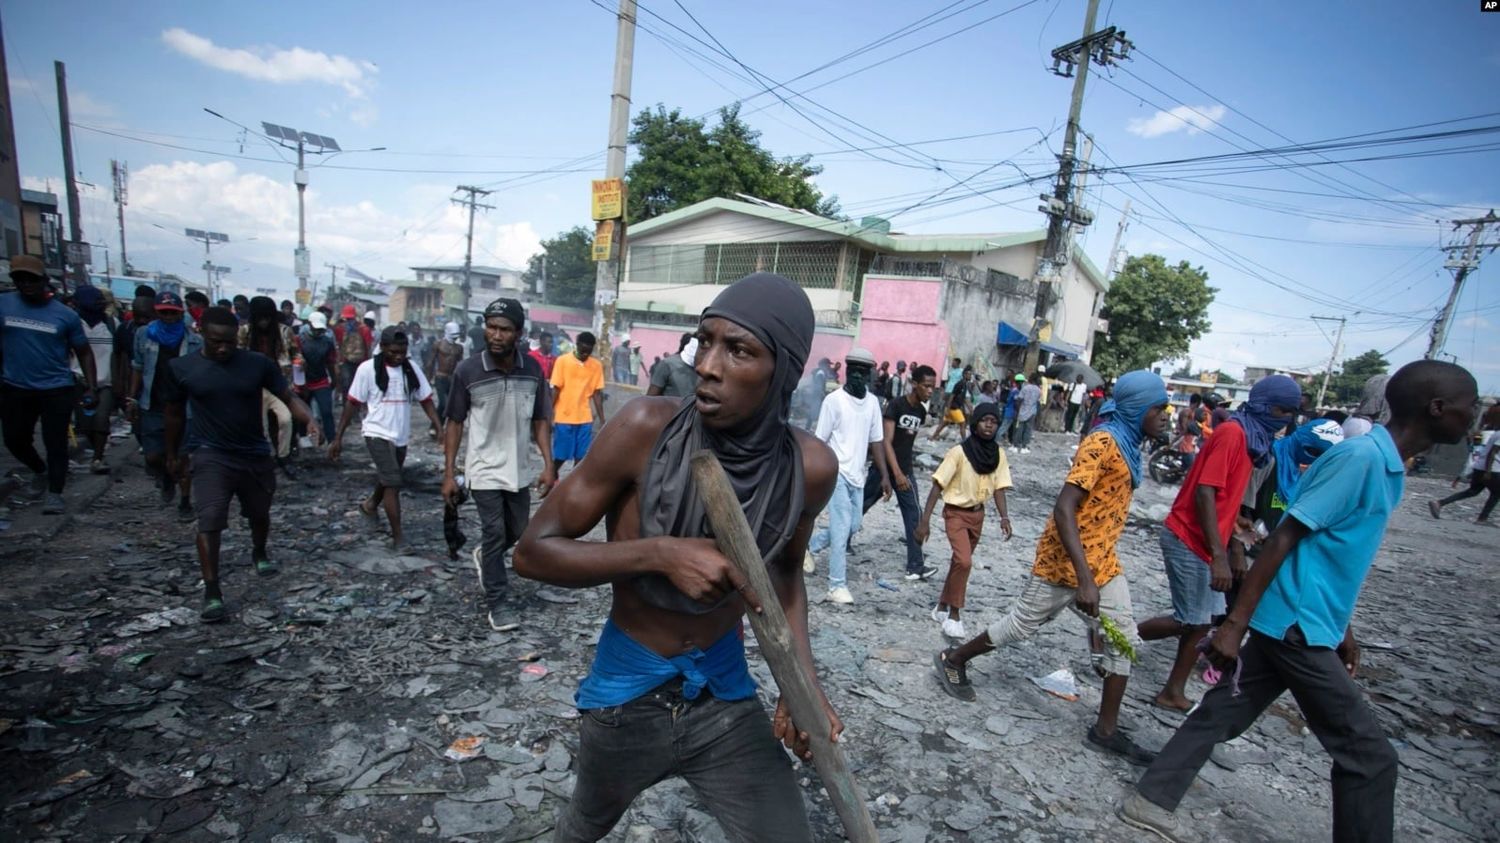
x=196 y=234
x=218 y=238
x=280 y=132
x=330 y=143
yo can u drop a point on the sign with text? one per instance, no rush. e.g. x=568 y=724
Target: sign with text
x=80 y=253
x=606 y=244
x=609 y=199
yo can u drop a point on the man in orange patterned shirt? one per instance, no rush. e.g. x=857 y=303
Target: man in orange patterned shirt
x=1076 y=560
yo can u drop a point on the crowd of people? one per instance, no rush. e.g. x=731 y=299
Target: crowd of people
x=1266 y=547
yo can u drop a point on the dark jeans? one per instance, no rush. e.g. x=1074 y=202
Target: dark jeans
x=322 y=405
x=1364 y=764
x=502 y=518
x=724 y=750
x=910 y=512
x=440 y=386
x=1022 y=435
x=1477 y=485
x=346 y=377
x=1071 y=418
x=21 y=410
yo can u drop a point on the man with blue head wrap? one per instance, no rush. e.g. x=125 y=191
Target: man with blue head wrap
x=1195 y=537
x=1077 y=564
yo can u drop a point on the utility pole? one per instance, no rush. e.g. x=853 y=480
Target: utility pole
x=120 y=173
x=1461 y=268
x=75 y=225
x=333 y=281
x=1114 y=249
x=607 y=272
x=1338 y=345
x=300 y=261
x=541 y=291
x=472 y=202
x=1062 y=209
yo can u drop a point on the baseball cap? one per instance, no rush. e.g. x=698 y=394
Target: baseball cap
x=168 y=300
x=1020 y=377
x=29 y=264
x=370 y=315
x=860 y=355
x=348 y=312
x=318 y=320
x=392 y=333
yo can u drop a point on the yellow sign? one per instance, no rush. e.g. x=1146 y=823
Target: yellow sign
x=609 y=199
x=604 y=240
x=303 y=295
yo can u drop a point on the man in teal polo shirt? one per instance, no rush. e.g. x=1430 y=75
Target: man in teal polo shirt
x=1296 y=603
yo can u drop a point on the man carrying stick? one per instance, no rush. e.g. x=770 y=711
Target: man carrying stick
x=670 y=692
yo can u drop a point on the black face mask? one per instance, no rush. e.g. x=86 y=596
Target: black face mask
x=857 y=380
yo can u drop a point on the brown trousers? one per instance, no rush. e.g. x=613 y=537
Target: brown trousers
x=963 y=527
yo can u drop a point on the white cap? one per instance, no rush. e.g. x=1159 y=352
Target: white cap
x=318 y=319
x=370 y=315
x=860 y=355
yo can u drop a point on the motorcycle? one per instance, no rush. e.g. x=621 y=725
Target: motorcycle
x=1166 y=462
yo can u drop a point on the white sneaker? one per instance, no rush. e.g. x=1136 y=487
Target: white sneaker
x=809 y=564
x=840 y=595
x=1025 y=450
x=954 y=629
x=1014 y=449
x=938 y=614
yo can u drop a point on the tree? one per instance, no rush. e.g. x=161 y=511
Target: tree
x=1348 y=386
x=681 y=162
x=570 y=268
x=1185 y=371
x=1155 y=311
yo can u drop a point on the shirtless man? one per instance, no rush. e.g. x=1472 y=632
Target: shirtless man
x=669 y=692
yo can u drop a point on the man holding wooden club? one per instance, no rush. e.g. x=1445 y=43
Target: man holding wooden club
x=670 y=692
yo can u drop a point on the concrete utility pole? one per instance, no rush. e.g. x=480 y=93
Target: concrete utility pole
x=472 y=202
x=1114 y=249
x=607 y=272
x=120 y=173
x=1338 y=345
x=333 y=281
x=1062 y=209
x=1461 y=268
x=75 y=225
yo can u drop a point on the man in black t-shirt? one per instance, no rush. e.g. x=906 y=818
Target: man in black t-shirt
x=231 y=456
x=903 y=417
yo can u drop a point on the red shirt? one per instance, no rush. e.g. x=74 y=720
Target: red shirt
x=543 y=360
x=1223 y=463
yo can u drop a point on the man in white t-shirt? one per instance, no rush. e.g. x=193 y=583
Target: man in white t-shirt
x=1078 y=392
x=850 y=424
x=1484 y=470
x=386 y=386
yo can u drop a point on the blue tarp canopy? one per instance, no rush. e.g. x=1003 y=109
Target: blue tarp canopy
x=1065 y=350
x=1009 y=334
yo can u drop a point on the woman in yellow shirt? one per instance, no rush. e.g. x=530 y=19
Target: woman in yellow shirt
x=971 y=473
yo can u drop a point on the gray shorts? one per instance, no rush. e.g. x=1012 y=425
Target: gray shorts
x=1194 y=602
x=388 y=461
x=1042 y=600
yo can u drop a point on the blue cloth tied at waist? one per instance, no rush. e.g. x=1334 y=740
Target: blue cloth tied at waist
x=624 y=670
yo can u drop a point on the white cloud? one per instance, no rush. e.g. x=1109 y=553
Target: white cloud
x=1192 y=119
x=271 y=64
x=421 y=227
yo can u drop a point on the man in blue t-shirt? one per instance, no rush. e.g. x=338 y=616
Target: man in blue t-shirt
x=1297 y=602
x=230 y=455
x=36 y=335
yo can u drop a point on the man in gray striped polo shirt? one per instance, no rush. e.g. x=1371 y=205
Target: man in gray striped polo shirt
x=501 y=395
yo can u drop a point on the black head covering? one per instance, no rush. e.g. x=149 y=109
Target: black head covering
x=762 y=459
x=983 y=454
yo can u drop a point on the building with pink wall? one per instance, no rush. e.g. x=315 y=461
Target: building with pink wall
x=899 y=320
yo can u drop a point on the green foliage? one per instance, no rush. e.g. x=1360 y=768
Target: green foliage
x=681 y=162
x=570 y=268
x=1347 y=387
x=1155 y=311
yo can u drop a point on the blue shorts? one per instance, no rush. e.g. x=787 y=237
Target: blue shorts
x=1194 y=602
x=571 y=441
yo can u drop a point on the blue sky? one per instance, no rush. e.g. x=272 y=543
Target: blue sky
x=485 y=93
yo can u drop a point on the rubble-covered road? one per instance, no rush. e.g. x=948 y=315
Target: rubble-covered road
x=359 y=695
